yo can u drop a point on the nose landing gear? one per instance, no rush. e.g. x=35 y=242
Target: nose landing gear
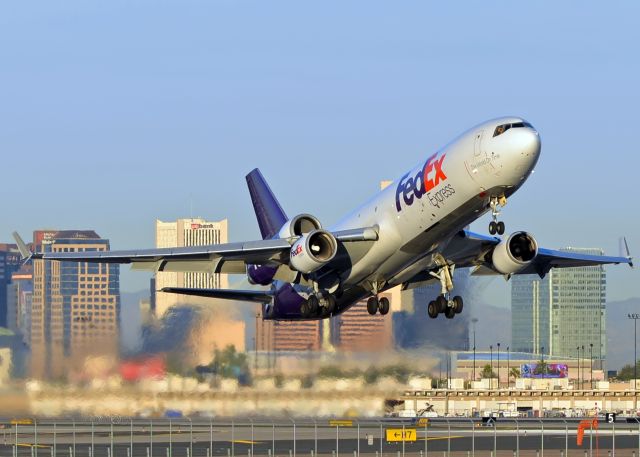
x=496 y=226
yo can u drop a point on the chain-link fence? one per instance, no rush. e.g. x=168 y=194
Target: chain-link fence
x=198 y=437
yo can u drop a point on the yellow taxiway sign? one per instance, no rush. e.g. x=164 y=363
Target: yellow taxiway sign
x=398 y=434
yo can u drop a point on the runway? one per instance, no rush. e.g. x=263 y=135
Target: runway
x=116 y=437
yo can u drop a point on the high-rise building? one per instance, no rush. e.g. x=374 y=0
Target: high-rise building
x=19 y=296
x=562 y=313
x=9 y=263
x=187 y=232
x=531 y=313
x=357 y=330
x=280 y=336
x=413 y=328
x=75 y=309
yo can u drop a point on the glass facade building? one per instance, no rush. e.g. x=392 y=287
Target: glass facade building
x=564 y=313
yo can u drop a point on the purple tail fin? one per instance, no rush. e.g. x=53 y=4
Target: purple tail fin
x=271 y=217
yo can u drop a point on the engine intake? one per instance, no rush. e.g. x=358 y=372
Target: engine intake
x=299 y=225
x=312 y=251
x=514 y=254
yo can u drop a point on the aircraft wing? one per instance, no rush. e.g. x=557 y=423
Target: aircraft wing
x=549 y=258
x=258 y=296
x=217 y=258
x=468 y=249
x=462 y=247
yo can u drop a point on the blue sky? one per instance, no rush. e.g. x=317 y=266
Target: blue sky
x=113 y=114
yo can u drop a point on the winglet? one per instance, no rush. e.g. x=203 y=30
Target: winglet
x=25 y=253
x=627 y=254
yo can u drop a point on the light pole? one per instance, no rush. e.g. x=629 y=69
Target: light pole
x=542 y=360
x=508 y=368
x=473 y=321
x=498 y=365
x=583 y=368
x=578 y=351
x=591 y=365
x=491 y=360
x=635 y=318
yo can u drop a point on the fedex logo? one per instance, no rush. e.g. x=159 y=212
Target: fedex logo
x=428 y=178
x=296 y=250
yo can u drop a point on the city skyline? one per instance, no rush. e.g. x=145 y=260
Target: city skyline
x=199 y=106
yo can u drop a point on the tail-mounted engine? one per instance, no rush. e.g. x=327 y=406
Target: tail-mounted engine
x=515 y=253
x=312 y=251
x=299 y=225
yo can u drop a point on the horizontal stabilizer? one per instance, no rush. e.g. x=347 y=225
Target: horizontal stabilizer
x=258 y=296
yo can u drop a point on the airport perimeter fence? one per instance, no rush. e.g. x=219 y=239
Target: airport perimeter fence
x=198 y=437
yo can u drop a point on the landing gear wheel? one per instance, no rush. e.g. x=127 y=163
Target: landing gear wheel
x=450 y=312
x=458 y=304
x=441 y=304
x=372 y=305
x=313 y=304
x=331 y=304
x=304 y=309
x=493 y=227
x=500 y=228
x=432 y=309
x=383 y=306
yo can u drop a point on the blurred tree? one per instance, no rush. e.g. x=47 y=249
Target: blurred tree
x=487 y=372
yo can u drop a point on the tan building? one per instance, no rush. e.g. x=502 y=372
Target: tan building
x=187 y=232
x=75 y=307
x=357 y=330
x=275 y=336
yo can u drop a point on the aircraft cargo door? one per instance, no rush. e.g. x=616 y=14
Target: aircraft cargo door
x=477 y=147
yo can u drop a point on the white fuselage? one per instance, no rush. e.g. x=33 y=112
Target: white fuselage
x=429 y=204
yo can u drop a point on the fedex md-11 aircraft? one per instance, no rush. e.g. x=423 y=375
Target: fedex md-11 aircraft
x=411 y=233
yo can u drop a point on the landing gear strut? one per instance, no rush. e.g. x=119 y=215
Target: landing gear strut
x=444 y=303
x=496 y=226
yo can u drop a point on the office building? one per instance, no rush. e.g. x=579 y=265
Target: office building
x=19 y=296
x=187 y=232
x=357 y=331
x=413 y=328
x=9 y=263
x=281 y=336
x=563 y=314
x=75 y=307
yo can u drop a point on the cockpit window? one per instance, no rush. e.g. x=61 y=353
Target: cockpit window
x=504 y=127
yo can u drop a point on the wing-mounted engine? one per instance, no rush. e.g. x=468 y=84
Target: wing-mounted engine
x=298 y=226
x=312 y=251
x=515 y=253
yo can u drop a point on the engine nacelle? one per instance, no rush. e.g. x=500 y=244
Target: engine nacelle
x=299 y=225
x=312 y=251
x=514 y=253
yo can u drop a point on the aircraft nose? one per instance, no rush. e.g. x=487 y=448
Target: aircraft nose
x=531 y=142
x=527 y=147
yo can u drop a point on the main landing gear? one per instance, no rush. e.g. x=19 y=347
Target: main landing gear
x=447 y=306
x=375 y=304
x=444 y=303
x=496 y=226
x=318 y=306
